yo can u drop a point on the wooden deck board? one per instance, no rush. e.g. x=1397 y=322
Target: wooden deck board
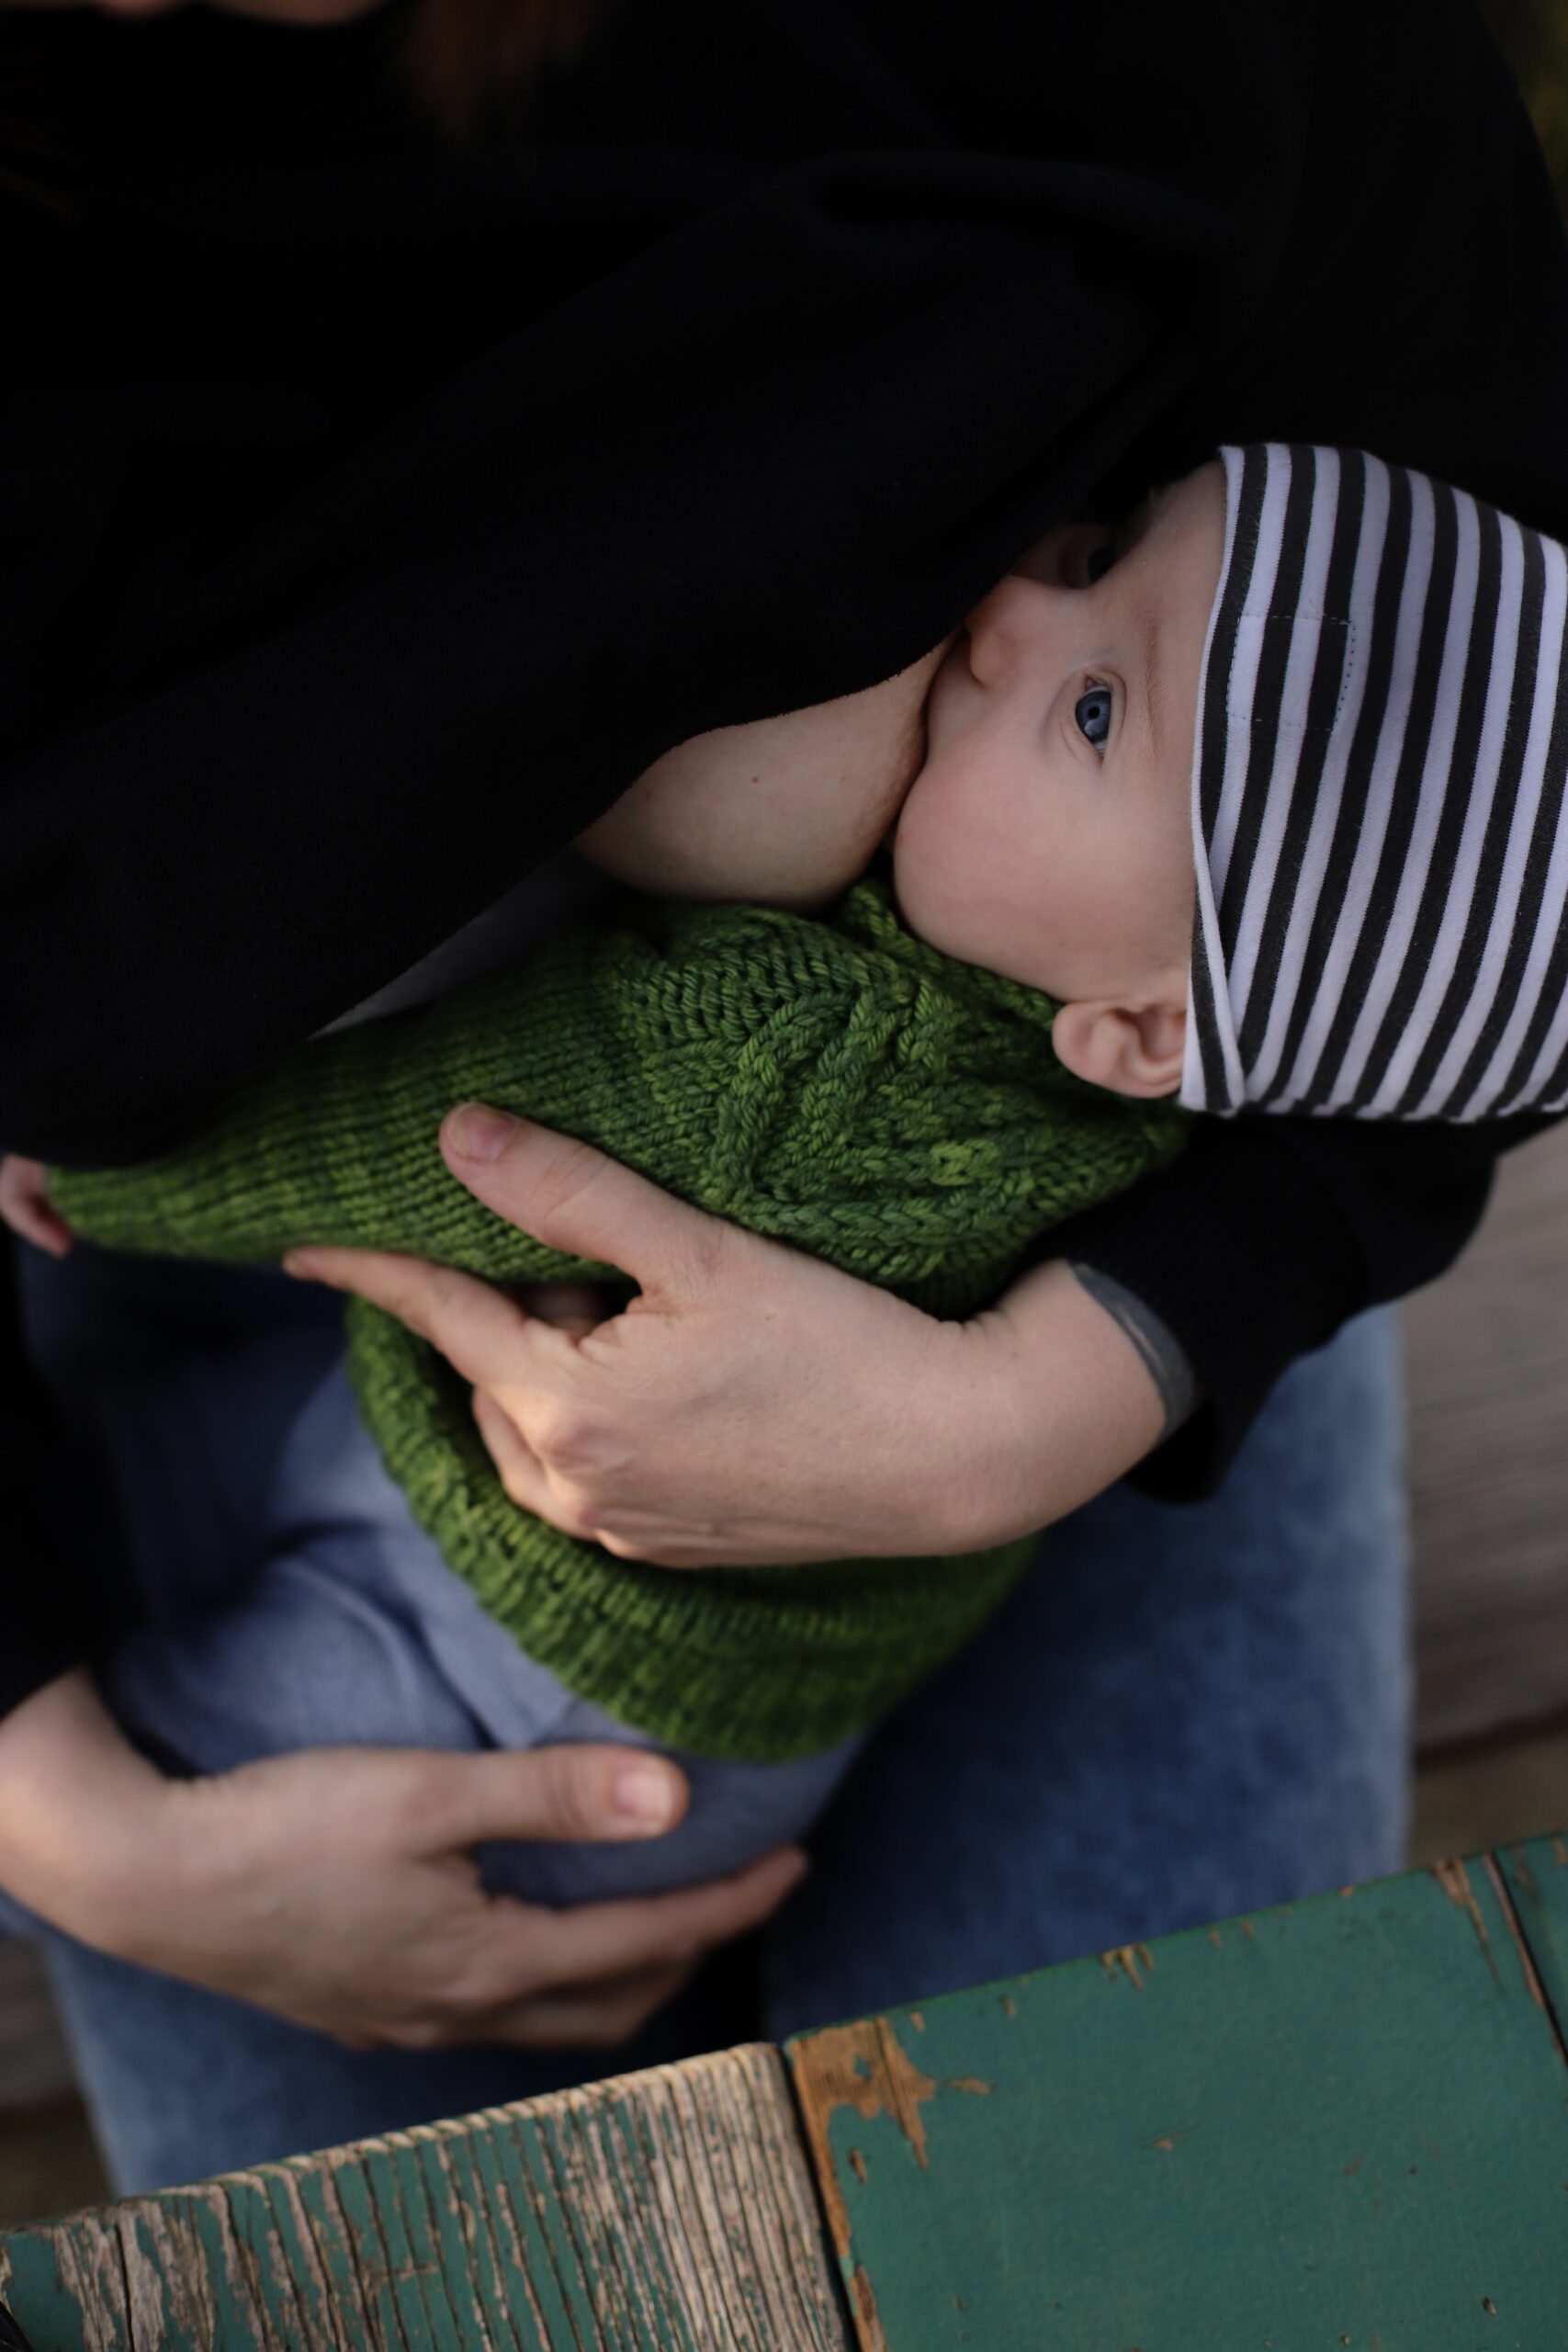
x=1341 y=2122
x=1486 y=1350
x=667 y=2211
x=1338 y=2122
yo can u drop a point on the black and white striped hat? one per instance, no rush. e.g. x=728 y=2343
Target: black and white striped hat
x=1378 y=800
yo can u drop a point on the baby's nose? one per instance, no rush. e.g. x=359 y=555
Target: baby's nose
x=1012 y=628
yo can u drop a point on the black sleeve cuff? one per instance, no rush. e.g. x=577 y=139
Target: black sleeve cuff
x=1264 y=1237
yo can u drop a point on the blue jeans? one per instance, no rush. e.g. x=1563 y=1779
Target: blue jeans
x=1181 y=1713
x=286 y=1596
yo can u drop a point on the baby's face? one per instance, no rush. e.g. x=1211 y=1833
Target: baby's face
x=1047 y=836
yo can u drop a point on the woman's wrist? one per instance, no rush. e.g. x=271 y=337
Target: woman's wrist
x=1058 y=1400
x=80 y=1812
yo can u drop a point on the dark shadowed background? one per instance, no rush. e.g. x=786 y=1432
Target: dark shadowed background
x=1488 y=1356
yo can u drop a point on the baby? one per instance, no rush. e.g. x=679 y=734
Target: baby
x=1042 y=809
x=1262 y=790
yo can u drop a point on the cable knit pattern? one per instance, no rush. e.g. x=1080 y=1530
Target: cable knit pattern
x=834 y=1084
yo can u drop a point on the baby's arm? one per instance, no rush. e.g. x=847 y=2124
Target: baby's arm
x=783 y=811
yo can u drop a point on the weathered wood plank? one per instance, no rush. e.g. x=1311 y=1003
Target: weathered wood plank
x=1486 y=1354
x=1537 y=1876
x=672 y=2209
x=1342 y=2122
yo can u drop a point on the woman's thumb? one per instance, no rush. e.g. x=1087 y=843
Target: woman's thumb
x=600 y=1794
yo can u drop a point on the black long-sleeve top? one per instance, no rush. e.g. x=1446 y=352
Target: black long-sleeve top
x=375 y=508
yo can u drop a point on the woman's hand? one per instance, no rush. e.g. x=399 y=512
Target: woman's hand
x=752 y=1406
x=337 y=1886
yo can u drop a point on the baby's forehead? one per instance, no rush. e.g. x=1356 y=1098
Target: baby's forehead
x=1169 y=575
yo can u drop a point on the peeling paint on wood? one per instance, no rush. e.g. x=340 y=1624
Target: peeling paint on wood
x=865 y=2068
x=672 y=2209
x=1529 y=1876
x=1341 y=2118
x=865 y=2306
x=1516 y=1934
x=1454 y=1880
x=1359 y=2113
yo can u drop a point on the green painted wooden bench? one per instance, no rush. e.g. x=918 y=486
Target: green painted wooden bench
x=1342 y=2122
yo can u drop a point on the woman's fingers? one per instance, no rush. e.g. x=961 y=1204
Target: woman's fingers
x=516 y=1465
x=526 y=1953
x=595 y=2018
x=484 y=1335
x=600 y=1794
x=590 y=1974
x=529 y=1485
x=576 y=1200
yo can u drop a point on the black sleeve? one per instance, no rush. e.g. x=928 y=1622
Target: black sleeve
x=375 y=509
x=44 y=1626
x=371 y=521
x=1269 y=1234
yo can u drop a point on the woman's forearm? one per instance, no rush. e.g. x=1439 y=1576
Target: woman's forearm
x=1068 y=1390
x=80 y=1810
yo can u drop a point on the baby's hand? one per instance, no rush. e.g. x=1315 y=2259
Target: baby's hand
x=25 y=1205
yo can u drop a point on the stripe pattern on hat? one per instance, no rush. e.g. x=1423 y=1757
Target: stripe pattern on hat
x=1378 y=779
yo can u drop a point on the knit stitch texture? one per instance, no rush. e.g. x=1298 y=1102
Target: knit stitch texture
x=833 y=1084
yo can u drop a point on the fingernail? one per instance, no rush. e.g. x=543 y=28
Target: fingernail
x=645 y=1796
x=301 y=1264
x=475 y=1131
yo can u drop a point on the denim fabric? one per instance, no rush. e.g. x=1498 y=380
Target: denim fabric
x=289 y=1600
x=1184 y=1713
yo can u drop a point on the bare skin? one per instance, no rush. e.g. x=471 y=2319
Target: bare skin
x=337 y=1887
x=783 y=811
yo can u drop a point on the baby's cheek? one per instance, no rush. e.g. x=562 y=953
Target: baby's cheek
x=945 y=896
x=923 y=875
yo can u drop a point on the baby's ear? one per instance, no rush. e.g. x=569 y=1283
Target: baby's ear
x=1131 y=1049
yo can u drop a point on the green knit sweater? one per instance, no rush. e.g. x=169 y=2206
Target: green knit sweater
x=834 y=1084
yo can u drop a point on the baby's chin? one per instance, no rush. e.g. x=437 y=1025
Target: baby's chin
x=971 y=928
x=931 y=911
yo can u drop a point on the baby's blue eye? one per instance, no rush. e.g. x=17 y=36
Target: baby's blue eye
x=1091 y=713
